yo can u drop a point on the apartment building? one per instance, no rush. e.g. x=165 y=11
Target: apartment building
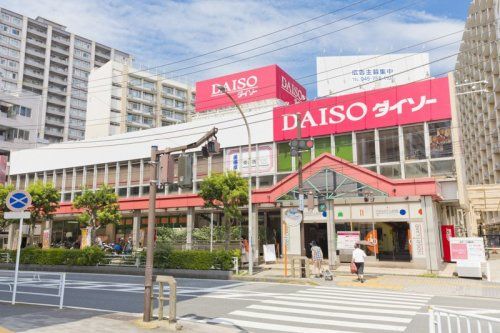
x=20 y=122
x=40 y=56
x=124 y=99
x=477 y=75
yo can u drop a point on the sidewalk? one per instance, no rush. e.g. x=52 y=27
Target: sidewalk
x=444 y=283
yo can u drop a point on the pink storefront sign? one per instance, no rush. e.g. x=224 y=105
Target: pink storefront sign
x=249 y=86
x=405 y=104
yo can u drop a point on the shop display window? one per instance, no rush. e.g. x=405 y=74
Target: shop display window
x=414 y=142
x=443 y=168
x=284 y=157
x=416 y=170
x=440 y=139
x=365 y=146
x=367 y=232
x=391 y=171
x=322 y=145
x=389 y=145
x=343 y=147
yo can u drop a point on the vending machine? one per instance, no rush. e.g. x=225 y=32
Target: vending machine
x=447 y=231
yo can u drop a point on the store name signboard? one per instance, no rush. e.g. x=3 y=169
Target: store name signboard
x=405 y=104
x=262 y=161
x=249 y=86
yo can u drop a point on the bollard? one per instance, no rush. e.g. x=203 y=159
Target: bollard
x=172 y=301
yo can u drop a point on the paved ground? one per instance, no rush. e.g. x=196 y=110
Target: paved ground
x=242 y=306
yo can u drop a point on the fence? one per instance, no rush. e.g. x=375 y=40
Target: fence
x=131 y=260
x=34 y=283
x=455 y=321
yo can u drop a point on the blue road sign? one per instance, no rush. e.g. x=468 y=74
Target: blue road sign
x=18 y=201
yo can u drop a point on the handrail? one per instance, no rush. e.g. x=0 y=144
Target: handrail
x=471 y=321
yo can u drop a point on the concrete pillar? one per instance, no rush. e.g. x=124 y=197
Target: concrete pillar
x=47 y=234
x=431 y=239
x=331 y=236
x=111 y=232
x=136 y=230
x=190 y=226
x=255 y=236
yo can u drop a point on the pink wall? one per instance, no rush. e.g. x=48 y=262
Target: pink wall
x=405 y=104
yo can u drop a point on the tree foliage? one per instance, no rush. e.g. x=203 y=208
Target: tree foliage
x=44 y=202
x=99 y=208
x=4 y=191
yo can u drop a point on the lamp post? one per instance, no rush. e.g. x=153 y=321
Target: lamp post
x=250 y=217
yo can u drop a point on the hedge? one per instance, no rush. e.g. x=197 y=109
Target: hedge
x=89 y=256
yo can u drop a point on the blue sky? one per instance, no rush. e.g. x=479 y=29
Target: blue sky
x=159 y=32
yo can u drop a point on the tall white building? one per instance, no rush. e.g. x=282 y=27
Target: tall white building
x=351 y=74
x=123 y=99
x=41 y=57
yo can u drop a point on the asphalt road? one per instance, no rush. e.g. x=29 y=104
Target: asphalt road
x=252 y=307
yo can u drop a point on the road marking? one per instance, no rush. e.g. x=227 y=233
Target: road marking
x=340 y=307
x=378 y=292
x=360 y=302
x=331 y=314
x=370 y=295
x=366 y=299
x=317 y=321
x=270 y=327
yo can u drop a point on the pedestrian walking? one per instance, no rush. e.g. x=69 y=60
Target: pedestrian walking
x=245 y=247
x=358 y=258
x=317 y=257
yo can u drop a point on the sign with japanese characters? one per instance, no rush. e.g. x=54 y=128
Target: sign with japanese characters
x=347 y=239
x=467 y=249
x=249 y=86
x=417 y=240
x=405 y=104
x=262 y=160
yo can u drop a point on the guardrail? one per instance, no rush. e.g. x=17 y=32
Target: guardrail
x=5 y=257
x=130 y=260
x=455 y=321
x=34 y=283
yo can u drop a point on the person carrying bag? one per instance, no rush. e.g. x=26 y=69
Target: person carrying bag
x=358 y=262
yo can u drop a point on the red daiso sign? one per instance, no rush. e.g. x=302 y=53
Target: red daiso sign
x=405 y=104
x=249 y=86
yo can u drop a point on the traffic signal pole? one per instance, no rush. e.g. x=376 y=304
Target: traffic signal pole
x=301 y=183
x=153 y=185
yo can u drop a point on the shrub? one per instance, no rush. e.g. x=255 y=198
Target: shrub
x=165 y=257
x=58 y=256
x=162 y=253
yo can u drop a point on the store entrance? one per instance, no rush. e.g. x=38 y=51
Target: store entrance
x=393 y=241
x=316 y=232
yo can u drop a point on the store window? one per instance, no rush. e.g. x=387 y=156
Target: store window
x=343 y=147
x=322 y=145
x=391 y=171
x=367 y=232
x=440 y=139
x=443 y=168
x=414 y=142
x=416 y=170
x=389 y=145
x=365 y=146
x=284 y=157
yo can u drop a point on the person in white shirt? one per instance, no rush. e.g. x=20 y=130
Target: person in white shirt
x=358 y=258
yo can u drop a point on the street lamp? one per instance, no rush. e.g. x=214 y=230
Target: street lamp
x=222 y=89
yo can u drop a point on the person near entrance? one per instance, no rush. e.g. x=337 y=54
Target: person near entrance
x=245 y=247
x=358 y=258
x=317 y=257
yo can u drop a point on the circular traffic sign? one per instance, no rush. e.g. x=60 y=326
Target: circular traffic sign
x=17 y=201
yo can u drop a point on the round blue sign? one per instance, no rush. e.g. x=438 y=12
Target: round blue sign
x=402 y=212
x=18 y=201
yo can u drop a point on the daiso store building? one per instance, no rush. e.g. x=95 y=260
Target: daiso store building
x=383 y=160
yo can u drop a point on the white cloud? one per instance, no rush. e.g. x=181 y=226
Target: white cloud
x=158 y=32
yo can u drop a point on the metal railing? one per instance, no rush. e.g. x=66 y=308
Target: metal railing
x=34 y=283
x=5 y=257
x=126 y=260
x=444 y=320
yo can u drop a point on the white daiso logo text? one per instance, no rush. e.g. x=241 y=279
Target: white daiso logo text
x=293 y=90
x=245 y=86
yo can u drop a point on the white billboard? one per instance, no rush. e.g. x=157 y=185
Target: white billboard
x=350 y=74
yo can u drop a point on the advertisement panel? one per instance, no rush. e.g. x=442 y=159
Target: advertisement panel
x=347 y=239
x=405 y=104
x=249 y=86
x=262 y=160
x=467 y=248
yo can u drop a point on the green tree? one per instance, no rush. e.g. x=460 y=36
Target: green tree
x=227 y=192
x=44 y=202
x=100 y=208
x=4 y=191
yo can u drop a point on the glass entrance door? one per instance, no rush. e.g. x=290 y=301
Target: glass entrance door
x=393 y=241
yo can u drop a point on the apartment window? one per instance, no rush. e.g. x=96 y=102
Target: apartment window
x=132 y=129
x=82 y=54
x=389 y=145
x=365 y=146
x=167 y=101
x=180 y=116
x=414 y=142
x=134 y=106
x=148 y=97
x=148 y=85
x=134 y=93
x=78 y=83
x=82 y=44
x=10 y=41
x=135 y=81
x=343 y=147
x=81 y=63
x=168 y=90
x=147 y=109
x=22 y=110
x=76 y=133
x=9 y=63
x=12 y=19
x=76 y=122
x=7 y=74
x=77 y=113
x=180 y=93
x=440 y=139
x=167 y=113
x=147 y=121
x=10 y=30
x=180 y=105
x=78 y=103
x=134 y=118
x=80 y=73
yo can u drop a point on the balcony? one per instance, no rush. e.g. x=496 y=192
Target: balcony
x=54 y=131
x=56 y=100
x=36 y=42
x=496 y=148
x=57 y=90
x=56 y=111
x=37 y=32
x=60 y=70
x=33 y=84
x=59 y=60
x=58 y=79
x=32 y=62
x=60 y=39
x=35 y=52
x=33 y=73
x=60 y=50
x=54 y=121
x=77 y=126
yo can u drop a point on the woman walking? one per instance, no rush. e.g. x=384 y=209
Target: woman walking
x=317 y=257
x=358 y=258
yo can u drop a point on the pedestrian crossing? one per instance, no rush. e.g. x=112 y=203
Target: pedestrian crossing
x=325 y=309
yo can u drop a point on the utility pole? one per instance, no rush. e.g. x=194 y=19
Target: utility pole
x=301 y=183
x=153 y=185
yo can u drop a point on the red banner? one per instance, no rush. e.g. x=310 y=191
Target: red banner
x=405 y=104
x=249 y=86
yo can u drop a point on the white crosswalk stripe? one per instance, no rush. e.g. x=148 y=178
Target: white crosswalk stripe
x=329 y=309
